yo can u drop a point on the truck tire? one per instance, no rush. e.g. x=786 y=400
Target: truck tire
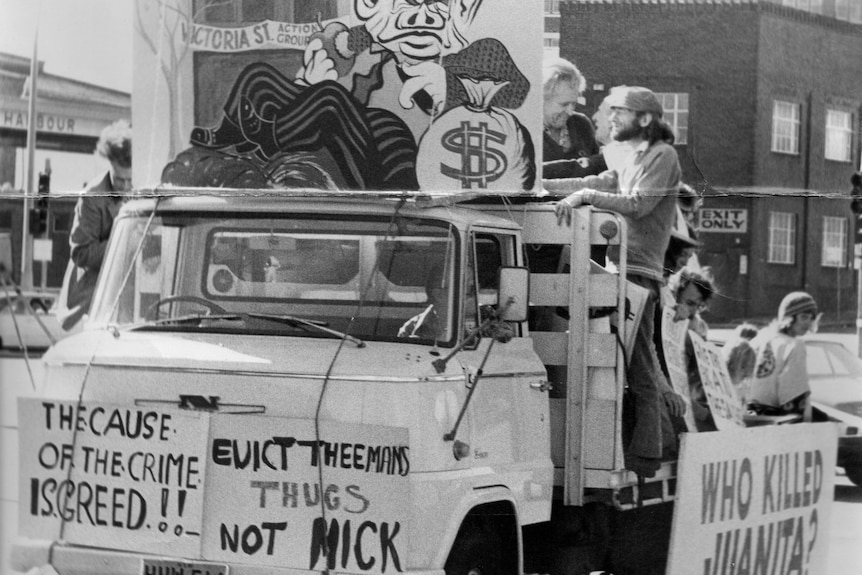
x=476 y=553
x=854 y=474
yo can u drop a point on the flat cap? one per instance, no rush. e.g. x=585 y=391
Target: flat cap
x=635 y=98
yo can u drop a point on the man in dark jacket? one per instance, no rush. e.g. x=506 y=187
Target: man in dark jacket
x=94 y=217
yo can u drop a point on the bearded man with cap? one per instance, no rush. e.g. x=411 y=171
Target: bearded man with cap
x=780 y=384
x=643 y=188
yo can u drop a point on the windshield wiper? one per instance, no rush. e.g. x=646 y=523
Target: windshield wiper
x=295 y=321
x=285 y=319
x=191 y=318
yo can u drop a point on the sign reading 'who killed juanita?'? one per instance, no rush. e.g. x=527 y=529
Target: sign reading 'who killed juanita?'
x=754 y=501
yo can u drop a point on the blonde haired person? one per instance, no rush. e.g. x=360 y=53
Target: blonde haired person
x=568 y=135
x=95 y=211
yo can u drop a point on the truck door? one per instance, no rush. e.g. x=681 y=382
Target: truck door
x=509 y=424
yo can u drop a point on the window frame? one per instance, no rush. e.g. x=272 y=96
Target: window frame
x=785 y=253
x=552 y=7
x=794 y=123
x=845 y=133
x=834 y=238
x=672 y=114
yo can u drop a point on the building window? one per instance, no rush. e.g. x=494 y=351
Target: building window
x=850 y=10
x=839 y=135
x=815 y=6
x=782 y=238
x=834 y=253
x=552 y=7
x=785 y=127
x=676 y=114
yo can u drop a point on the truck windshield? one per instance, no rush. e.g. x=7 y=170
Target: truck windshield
x=374 y=278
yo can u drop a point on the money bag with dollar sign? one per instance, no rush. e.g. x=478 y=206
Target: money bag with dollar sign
x=476 y=146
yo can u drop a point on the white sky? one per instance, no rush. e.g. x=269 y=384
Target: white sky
x=87 y=40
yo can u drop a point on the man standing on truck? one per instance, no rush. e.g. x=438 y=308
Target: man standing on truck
x=643 y=189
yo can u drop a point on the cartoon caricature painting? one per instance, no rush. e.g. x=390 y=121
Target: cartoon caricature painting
x=392 y=95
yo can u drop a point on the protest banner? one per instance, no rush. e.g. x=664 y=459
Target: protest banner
x=754 y=501
x=277 y=491
x=673 y=343
x=113 y=476
x=724 y=403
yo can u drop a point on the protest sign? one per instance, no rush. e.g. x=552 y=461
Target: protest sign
x=754 y=501
x=112 y=476
x=276 y=491
x=636 y=298
x=673 y=344
x=221 y=487
x=724 y=402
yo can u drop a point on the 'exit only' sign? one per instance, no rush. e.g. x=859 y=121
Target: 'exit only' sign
x=730 y=221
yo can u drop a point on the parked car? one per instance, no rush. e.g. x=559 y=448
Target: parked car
x=835 y=375
x=26 y=320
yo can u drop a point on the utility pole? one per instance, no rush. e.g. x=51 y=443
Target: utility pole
x=30 y=187
x=856 y=206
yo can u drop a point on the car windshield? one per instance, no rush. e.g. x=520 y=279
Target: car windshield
x=828 y=359
x=363 y=276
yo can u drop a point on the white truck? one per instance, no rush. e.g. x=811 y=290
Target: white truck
x=267 y=384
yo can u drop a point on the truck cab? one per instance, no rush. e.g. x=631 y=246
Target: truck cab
x=292 y=383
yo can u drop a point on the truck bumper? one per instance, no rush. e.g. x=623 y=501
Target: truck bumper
x=68 y=560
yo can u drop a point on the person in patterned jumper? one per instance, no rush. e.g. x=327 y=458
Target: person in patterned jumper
x=780 y=385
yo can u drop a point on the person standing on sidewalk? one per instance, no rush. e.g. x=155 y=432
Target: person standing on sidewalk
x=95 y=211
x=643 y=189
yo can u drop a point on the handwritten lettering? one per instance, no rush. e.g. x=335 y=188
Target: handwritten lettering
x=118 y=422
x=290 y=492
x=85 y=502
x=340 y=539
x=274 y=453
x=775 y=547
x=252 y=538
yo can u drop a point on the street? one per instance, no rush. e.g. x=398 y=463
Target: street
x=845 y=531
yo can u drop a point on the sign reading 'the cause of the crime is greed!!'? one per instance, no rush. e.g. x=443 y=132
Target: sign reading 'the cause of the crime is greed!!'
x=218 y=487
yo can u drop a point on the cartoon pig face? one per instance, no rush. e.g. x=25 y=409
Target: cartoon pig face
x=417 y=30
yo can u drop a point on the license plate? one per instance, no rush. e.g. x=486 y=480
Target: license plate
x=174 y=567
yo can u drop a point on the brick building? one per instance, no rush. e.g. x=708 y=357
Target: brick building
x=765 y=100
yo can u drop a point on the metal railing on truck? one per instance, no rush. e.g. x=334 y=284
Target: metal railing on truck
x=586 y=421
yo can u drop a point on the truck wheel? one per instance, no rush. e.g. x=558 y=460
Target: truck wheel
x=476 y=553
x=854 y=474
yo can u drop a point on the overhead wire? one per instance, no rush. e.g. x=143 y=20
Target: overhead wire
x=328 y=376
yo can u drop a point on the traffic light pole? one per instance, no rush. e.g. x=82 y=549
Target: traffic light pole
x=856 y=208
x=858 y=294
x=26 y=281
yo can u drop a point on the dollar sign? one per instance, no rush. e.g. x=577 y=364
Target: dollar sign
x=480 y=162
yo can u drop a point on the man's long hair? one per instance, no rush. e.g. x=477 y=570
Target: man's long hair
x=658 y=131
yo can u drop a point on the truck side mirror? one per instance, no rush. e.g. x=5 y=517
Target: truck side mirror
x=514 y=292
